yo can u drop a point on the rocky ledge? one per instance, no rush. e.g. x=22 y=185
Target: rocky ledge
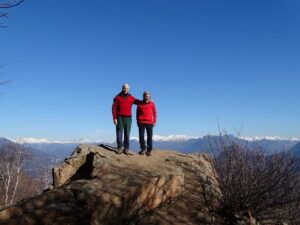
x=97 y=186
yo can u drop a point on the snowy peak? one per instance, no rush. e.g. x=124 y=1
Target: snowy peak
x=271 y=138
x=46 y=141
x=158 y=138
x=174 y=137
x=86 y=141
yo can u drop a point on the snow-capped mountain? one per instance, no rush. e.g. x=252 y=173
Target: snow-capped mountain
x=49 y=152
x=158 y=138
x=46 y=141
x=174 y=137
x=272 y=138
x=181 y=143
x=29 y=140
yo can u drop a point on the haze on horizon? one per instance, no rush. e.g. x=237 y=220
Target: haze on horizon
x=233 y=63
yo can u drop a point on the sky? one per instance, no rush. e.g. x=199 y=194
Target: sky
x=208 y=64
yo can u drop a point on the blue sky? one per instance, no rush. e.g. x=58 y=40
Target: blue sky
x=236 y=62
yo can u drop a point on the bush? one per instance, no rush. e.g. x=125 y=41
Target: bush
x=266 y=187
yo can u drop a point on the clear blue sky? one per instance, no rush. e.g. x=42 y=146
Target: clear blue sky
x=233 y=61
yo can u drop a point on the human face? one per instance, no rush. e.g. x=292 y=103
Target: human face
x=147 y=97
x=125 y=89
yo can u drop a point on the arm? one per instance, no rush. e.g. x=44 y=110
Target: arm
x=154 y=114
x=135 y=101
x=137 y=114
x=114 y=110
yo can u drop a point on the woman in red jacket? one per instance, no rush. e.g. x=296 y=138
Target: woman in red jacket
x=146 y=120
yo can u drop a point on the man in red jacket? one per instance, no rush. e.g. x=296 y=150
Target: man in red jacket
x=146 y=119
x=121 y=110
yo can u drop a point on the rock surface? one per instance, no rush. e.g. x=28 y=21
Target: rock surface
x=99 y=187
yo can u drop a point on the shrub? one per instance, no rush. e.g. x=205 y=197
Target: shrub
x=267 y=187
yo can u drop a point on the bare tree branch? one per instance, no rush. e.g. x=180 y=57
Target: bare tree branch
x=9 y=4
x=5 y=4
x=2 y=82
x=252 y=183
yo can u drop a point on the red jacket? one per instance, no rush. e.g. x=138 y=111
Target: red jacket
x=122 y=105
x=146 y=112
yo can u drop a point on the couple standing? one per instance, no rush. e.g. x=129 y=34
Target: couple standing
x=145 y=115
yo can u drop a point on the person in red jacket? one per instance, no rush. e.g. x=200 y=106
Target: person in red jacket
x=146 y=119
x=121 y=110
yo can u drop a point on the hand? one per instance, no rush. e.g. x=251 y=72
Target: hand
x=154 y=124
x=116 y=122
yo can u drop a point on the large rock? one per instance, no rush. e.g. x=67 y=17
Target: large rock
x=97 y=186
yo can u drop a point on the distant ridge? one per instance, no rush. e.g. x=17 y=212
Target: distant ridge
x=296 y=149
x=173 y=137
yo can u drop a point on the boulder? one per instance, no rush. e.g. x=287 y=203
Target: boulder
x=97 y=186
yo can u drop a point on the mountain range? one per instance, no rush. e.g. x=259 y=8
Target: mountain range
x=296 y=149
x=39 y=160
x=45 y=153
x=181 y=143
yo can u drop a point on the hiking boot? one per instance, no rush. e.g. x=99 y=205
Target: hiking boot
x=148 y=153
x=119 y=151
x=126 y=151
x=142 y=152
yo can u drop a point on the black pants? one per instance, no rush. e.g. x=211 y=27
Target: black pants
x=149 y=129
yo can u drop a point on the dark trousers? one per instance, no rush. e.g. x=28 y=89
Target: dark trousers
x=149 y=130
x=124 y=124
